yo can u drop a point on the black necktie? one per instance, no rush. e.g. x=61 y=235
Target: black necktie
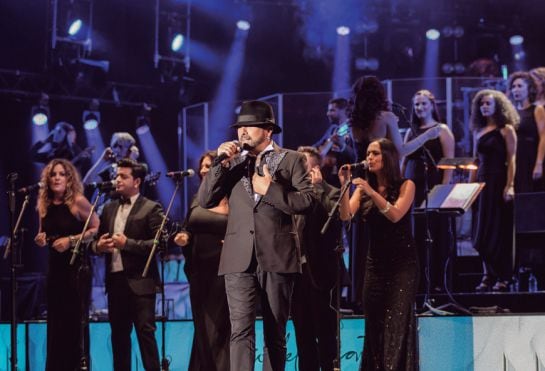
x=251 y=167
x=124 y=201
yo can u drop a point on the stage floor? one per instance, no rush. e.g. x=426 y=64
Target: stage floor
x=472 y=343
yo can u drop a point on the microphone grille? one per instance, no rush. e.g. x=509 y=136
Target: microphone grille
x=190 y=172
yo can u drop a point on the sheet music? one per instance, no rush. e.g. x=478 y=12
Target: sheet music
x=461 y=195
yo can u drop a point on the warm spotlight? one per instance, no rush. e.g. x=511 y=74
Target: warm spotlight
x=432 y=34
x=343 y=31
x=243 y=25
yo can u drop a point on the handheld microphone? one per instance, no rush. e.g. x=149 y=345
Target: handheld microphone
x=180 y=174
x=110 y=184
x=364 y=165
x=31 y=188
x=225 y=156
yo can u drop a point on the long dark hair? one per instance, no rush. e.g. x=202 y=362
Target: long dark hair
x=390 y=172
x=532 y=85
x=367 y=102
x=208 y=154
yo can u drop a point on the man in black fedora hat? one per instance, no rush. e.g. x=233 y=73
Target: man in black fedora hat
x=266 y=185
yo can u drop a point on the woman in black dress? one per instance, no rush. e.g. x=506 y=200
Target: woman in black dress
x=530 y=133
x=391 y=274
x=493 y=121
x=63 y=210
x=201 y=241
x=421 y=167
x=371 y=119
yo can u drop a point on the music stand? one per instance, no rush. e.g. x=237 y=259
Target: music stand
x=451 y=200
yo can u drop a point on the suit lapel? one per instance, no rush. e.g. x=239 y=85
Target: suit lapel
x=136 y=207
x=114 y=209
x=272 y=159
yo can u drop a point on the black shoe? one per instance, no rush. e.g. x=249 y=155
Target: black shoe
x=485 y=284
x=501 y=286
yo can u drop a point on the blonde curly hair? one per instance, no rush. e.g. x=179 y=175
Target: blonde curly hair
x=74 y=186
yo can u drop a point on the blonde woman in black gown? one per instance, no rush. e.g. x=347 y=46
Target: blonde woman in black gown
x=63 y=210
x=391 y=271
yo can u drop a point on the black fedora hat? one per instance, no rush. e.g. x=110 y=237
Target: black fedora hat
x=257 y=113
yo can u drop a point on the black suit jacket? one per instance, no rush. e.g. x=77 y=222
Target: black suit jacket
x=142 y=224
x=319 y=250
x=266 y=224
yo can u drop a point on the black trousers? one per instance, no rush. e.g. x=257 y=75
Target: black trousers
x=243 y=292
x=315 y=323
x=126 y=309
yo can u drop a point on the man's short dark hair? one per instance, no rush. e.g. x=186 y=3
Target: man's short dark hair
x=139 y=170
x=341 y=103
x=311 y=151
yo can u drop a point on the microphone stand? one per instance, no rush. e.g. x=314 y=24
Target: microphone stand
x=14 y=265
x=84 y=283
x=330 y=215
x=165 y=363
x=427 y=159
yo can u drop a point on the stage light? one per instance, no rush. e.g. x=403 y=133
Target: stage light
x=143 y=121
x=447 y=68
x=91 y=119
x=447 y=31
x=343 y=31
x=432 y=34
x=39 y=117
x=177 y=42
x=458 y=31
x=243 y=25
x=371 y=64
x=459 y=68
x=75 y=27
x=516 y=40
x=40 y=112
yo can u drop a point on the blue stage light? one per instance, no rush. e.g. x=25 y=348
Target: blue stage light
x=432 y=34
x=90 y=120
x=177 y=42
x=75 y=27
x=40 y=118
x=516 y=40
x=343 y=30
x=243 y=25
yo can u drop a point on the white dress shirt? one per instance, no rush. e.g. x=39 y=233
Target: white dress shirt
x=119 y=227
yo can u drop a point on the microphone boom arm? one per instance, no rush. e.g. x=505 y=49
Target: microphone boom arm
x=335 y=207
x=160 y=230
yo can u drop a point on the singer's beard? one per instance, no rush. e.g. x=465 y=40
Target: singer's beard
x=249 y=144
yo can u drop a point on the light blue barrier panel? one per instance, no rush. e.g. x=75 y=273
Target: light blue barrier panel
x=37 y=345
x=446 y=343
x=179 y=335
x=5 y=347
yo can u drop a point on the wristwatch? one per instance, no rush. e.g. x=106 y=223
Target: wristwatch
x=73 y=241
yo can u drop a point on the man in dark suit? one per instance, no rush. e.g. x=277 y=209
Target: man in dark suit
x=266 y=185
x=127 y=230
x=313 y=304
